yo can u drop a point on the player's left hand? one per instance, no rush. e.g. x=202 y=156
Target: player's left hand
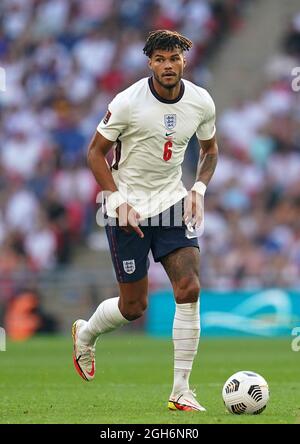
x=193 y=209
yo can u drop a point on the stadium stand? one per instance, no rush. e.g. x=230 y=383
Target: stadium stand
x=64 y=61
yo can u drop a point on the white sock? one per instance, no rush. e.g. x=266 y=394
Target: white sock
x=106 y=318
x=186 y=334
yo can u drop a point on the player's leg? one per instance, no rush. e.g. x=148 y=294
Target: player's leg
x=110 y=315
x=182 y=267
x=180 y=257
x=115 y=312
x=130 y=259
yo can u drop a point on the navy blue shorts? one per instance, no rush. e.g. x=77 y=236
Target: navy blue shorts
x=163 y=234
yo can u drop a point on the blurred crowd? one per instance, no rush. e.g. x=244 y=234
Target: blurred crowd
x=252 y=224
x=64 y=60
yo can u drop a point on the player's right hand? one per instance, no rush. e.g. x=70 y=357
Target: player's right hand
x=129 y=219
x=193 y=209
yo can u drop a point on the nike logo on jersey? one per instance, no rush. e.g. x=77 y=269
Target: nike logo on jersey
x=170 y=134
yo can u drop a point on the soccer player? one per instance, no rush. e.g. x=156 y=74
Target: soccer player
x=151 y=123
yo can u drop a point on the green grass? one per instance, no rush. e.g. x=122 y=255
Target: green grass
x=134 y=376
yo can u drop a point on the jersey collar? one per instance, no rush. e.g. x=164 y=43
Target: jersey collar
x=161 y=99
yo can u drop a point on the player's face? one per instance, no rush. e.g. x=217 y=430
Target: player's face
x=167 y=67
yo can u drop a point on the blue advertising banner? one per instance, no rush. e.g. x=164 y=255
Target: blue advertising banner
x=266 y=313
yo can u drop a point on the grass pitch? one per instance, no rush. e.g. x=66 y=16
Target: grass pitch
x=134 y=377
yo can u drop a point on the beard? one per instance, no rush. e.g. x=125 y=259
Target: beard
x=169 y=84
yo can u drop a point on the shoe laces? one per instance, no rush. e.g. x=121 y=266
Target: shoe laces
x=87 y=353
x=188 y=393
x=192 y=392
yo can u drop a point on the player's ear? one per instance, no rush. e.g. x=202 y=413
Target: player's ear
x=184 y=62
x=150 y=63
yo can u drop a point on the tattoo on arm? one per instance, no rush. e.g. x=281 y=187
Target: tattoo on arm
x=206 y=167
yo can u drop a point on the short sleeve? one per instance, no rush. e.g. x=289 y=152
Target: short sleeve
x=207 y=128
x=116 y=118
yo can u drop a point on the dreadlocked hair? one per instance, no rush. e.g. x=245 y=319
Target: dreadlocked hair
x=165 y=40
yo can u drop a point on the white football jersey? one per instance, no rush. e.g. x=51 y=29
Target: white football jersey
x=151 y=135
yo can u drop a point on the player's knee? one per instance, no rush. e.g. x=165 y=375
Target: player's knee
x=134 y=310
x=187 y=290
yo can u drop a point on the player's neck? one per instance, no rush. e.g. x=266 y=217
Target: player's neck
x=167 y=93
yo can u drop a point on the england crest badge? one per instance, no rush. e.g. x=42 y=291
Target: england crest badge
x=129 y=266
x=170 y=121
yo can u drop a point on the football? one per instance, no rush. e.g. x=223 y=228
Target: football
x=245 y=392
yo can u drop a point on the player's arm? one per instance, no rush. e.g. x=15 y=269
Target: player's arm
x=207 y=160
x=194 y=204
x=97 y=150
